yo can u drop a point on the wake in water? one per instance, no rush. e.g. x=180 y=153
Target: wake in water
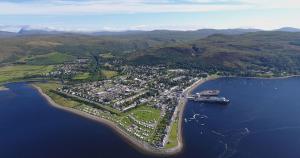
x=230 y=140
x=276 y=129
x=196 y=117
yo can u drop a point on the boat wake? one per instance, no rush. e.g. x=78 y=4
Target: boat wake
x=230 y=140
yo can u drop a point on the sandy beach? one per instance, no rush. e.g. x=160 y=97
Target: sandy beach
x=138 y=145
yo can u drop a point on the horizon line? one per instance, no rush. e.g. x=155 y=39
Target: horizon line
x=85 y=30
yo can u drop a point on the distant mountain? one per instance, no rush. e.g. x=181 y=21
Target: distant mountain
x=230 y=50
x=108 y=33
x=4 y=34
x=208 y=32
x=172 y=35
x=259 y=51
x=289 y=29
x=202 y=33
x=41 y=31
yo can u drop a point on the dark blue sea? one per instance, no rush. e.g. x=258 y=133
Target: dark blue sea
x=261 y=121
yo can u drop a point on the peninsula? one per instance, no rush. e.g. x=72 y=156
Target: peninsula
x=138 y=84
x=144 y=105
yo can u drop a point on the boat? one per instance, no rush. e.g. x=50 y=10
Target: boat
x=213 y=92
x=209 y=96
x=220 y=100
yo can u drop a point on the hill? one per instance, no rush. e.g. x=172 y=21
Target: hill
x=260 y=51
x=232 y=51
x=4 y=34
x=289 y=29
x=38 y=42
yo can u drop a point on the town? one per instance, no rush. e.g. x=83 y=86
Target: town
x=141 y=100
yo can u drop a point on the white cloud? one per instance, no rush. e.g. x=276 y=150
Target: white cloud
x=259 y=16
x=57 y=7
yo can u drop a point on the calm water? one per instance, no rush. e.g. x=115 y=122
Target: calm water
x=262 y=120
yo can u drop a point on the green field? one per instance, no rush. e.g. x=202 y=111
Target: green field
x=82 y=76
x=146 y=113
x=48 y=59
x=106 y=55
x=126 y=121
x=18 y=72
x=109 y=74
x=46 y=87
x=173 y=136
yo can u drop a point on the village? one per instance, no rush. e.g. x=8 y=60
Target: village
x=142 y=100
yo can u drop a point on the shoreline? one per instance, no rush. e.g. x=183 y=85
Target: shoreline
x=135 y=143
x=182 y=106
x=138 y=145
x=3 y=88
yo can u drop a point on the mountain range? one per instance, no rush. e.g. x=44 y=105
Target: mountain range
x=201 y=32
x=232 y=50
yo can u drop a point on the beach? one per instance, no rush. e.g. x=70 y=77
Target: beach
x=138 y=145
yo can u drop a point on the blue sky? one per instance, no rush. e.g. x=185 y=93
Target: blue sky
x=115 y=15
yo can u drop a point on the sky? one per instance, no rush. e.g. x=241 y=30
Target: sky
x=118 y=15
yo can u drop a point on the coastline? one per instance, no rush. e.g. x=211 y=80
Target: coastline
x=2 y=88
x=138 y=145
x=135 y=143
x=182 y=105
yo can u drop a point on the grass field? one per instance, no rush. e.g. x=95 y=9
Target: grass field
x=106 y=55
x=12 y=73
x=65 y=101
x=146 y=113
x=82 y=76
x=173 y=136
x=48 y=59
x=109 y=74
x=46 y=87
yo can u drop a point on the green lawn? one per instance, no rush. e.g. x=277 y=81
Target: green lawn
x=82 y=76
x=46 y=87
x=146 y=113
x=126 y=121
x=106 y=55
x=109 y=74
x=17 y=72
x=173 y=136
x=48 y=59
